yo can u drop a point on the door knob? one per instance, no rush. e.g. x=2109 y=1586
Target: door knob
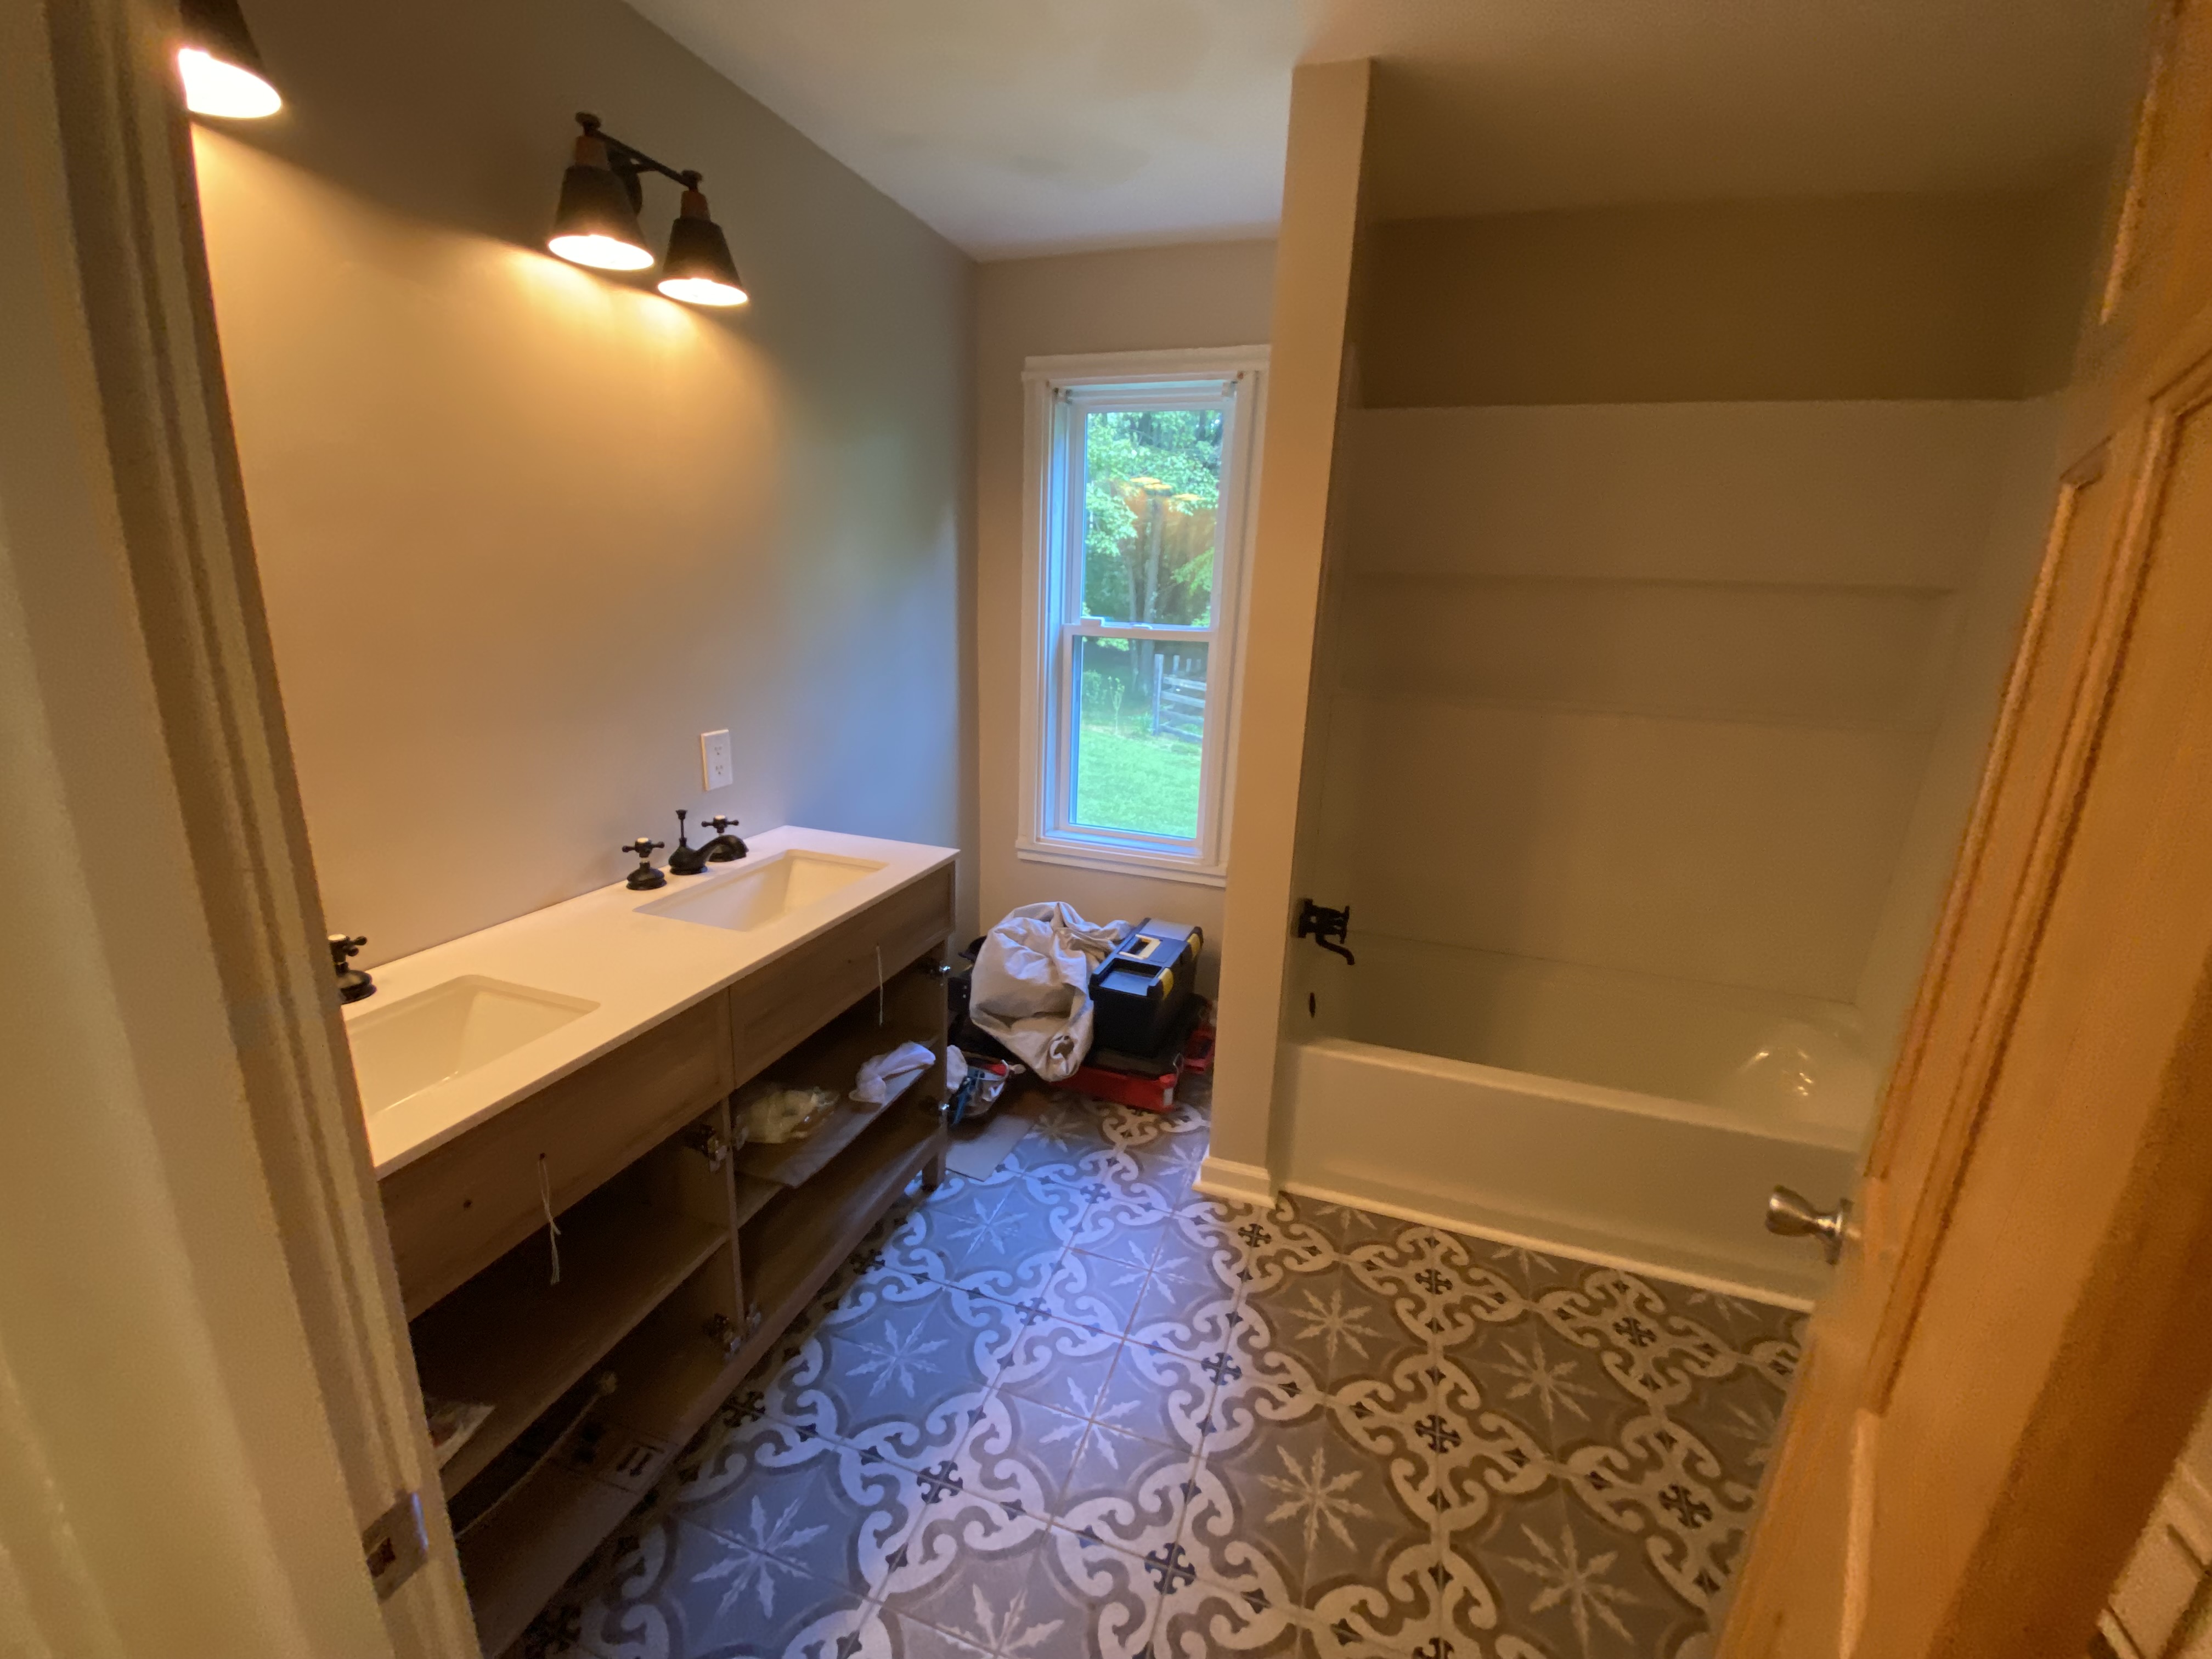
x=1792 y=1215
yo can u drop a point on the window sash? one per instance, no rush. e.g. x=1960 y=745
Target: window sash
x=1062 y=625
x=1071 y=434
x=1060 y=763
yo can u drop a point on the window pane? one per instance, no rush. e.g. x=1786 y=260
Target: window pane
x=1152 y=493
x=1139 y=733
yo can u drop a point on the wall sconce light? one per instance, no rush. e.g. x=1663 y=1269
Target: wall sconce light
x=596 y=223
x=219 y=64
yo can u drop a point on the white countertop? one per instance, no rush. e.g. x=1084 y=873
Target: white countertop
x=640 y=969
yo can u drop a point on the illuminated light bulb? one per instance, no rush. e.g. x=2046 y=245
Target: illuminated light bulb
x=601 y=253
x=703 y=291
x=700 y=271
x=595 y=223
x=224 y=90
x=219 y=64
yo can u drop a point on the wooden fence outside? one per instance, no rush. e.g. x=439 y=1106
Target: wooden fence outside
x=1178 y=698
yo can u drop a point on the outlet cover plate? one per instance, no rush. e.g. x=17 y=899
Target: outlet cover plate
x=714 y=768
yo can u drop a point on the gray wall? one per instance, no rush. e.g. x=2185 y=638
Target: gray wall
x=1210 y=293
x=526 y=531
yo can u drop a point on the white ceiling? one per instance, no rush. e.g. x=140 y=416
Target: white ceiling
x=1024 y=126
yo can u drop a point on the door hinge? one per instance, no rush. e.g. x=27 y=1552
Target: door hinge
x=394 y=1545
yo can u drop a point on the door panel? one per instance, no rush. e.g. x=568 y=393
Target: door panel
x=2085 y=1095
x=1826 y=1484
x=2000 y=896
x=2024 y=754
x=2015 y=1343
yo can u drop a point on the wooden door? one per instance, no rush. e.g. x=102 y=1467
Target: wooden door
x=2020 y=1331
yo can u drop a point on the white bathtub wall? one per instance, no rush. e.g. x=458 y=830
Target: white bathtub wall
x=1317 y=984
x=1649 y=688
x=1991 y=607
x=1771 y=1056
x=1680 y=551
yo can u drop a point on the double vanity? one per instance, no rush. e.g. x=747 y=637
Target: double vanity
x=585 y=1243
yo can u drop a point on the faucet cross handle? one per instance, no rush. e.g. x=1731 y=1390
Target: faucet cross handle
x=645 y=876
x=724 y=847
x=354 y=983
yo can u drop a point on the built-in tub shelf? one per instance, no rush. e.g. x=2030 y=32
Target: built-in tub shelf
x=679 y=1267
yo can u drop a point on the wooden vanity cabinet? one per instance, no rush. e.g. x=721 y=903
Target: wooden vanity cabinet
x=772 y=1010
x=682 y=1252
x=456 y=1210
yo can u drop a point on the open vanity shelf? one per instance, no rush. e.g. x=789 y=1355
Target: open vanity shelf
x=683 y=1254
x=512 y=1338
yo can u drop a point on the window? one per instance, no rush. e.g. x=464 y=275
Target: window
x=1141 y=469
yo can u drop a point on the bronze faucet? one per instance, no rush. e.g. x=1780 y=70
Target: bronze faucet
x=689 y=860
x=354 y=983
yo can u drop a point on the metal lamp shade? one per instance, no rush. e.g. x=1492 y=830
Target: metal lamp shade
x=699 y=269
x=219 y=64
x=595 y=224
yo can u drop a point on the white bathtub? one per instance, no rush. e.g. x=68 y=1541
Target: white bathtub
x=1740 y=1092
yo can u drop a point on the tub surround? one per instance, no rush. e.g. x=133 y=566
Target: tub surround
x=1632 y=724
x=1651 y=688
x=1675 y=553
x=633 y=969
x=1762 y=1055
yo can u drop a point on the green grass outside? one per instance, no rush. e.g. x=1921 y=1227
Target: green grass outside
x=1143 y=783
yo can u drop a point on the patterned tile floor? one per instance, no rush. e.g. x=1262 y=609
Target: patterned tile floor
x=1076 y=1410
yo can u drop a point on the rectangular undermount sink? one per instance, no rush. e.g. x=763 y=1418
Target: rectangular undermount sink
x=400 y=1050
x=757 y=893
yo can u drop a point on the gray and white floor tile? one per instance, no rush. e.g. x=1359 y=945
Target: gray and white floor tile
x=1074 y=1409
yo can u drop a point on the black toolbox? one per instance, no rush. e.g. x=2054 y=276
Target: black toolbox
x=1142 y=994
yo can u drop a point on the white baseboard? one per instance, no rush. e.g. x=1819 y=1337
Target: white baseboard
x=1246 y=1183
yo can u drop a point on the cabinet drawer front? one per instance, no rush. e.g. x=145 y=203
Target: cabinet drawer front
x=456 y=1210
x=790 y=999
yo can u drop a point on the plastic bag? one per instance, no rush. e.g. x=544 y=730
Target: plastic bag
x=886 y=1076
x=980 y=1082
x=775 y=1113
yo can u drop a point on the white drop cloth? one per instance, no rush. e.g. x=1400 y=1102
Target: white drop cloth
x=1032 y=985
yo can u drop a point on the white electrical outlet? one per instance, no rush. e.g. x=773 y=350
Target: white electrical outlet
x=714 y=768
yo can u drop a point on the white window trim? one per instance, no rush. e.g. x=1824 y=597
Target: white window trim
x=1046 y=495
